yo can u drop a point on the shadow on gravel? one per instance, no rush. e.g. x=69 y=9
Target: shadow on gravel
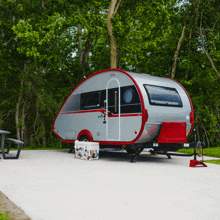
x=123 y=156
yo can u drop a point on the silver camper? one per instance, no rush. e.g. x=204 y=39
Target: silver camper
x=117 y=108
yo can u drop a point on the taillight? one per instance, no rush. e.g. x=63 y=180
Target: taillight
x=191 y=117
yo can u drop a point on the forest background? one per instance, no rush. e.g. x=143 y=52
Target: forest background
x=47 y=47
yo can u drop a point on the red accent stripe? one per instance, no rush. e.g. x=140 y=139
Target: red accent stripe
x=104 y=112
x=101 y=142
x=86 y=111
x=129 y=115
x=190 y=104
x=144 y=116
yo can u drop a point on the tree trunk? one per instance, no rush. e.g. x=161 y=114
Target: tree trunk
x=17 y=111
x=177 y=53
x=43 y=5
x=206 y=53
x=85 y=55
x=23 y=127
x=112 y=11
x=113 y=63
x=79 y=30
x=86 y=52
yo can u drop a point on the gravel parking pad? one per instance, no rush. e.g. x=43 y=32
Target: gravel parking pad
x=52 y=184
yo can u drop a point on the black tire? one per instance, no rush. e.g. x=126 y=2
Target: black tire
x=83 y=138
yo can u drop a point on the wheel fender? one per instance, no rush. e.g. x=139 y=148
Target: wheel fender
x=87 y=133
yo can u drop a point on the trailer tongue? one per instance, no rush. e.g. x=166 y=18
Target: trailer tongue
x=157 y=146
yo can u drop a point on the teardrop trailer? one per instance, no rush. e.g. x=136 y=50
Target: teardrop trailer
x=116 y=108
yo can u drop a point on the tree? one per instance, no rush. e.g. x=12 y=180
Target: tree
x=113 y=8
x=48 y=47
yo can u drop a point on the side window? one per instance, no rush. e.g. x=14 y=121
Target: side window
x=102 y=99
x=113 y=100
x=90 y=100
x=164 y=96
x=130 y=100
x=128 y=96
x=72 y=104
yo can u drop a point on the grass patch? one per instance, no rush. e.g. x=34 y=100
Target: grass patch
x=3 y=216
x=186 y=151
x=210 y=152
x=212 y=161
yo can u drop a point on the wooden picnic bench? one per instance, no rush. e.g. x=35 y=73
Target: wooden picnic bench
x=11 y=140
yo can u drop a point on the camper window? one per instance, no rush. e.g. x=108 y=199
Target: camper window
x=164 y=96
x=130 y=100
x=90 y=100
x=128 y=95
x=72 y=104
x=113 y=100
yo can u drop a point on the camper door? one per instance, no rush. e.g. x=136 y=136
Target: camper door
x=113 y=110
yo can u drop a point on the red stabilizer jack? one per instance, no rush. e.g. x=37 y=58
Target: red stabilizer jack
x=194 y=163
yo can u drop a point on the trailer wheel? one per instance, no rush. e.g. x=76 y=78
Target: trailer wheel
x=132 y=149
x=83 y=138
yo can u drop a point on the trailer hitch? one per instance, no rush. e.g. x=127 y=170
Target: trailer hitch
x=197 y=145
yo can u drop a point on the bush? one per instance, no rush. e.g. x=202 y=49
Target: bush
x=3 y=216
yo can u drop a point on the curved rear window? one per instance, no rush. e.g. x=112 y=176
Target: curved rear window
x=164 y=96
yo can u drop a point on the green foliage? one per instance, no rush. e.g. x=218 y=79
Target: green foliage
x=3 y=216
x=210 y=152
x=212 y=161
x=40 y=60
x=139 y=28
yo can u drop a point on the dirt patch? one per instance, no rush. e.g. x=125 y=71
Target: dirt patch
x=12 y=211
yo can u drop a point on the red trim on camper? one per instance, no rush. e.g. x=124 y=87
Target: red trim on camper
x=104 y=112
x=125 y=115
x=86 y=111
x=144 y=113
x=191 y=115
x=87 y=133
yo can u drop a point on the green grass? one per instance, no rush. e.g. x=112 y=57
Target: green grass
x=210 y=152
x=212 y=161
x=3 y=216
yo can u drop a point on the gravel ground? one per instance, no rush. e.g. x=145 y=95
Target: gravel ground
x=12 y=211
x=52 y=184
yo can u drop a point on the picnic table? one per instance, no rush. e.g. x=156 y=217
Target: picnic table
x=19 y=143
x=3 y=133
